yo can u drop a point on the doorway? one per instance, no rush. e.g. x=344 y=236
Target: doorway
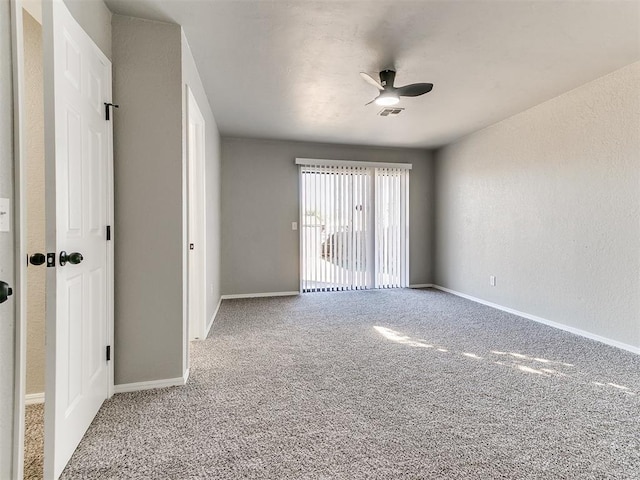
x=65 y=210
x=196 y=220
x=33 y=115
x=354 y=225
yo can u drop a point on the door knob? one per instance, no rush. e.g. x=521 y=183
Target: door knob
x=5 y=291
x=37 y=259
x=73 y=258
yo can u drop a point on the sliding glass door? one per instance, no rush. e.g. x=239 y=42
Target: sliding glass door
x=353 y=225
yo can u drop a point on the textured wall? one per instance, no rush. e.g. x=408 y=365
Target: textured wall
x=34 y=137
x=549 y=202
x=148 y=231
x=260 y=198
x=191 y=77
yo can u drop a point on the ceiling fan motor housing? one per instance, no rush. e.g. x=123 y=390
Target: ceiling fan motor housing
x=387 y=77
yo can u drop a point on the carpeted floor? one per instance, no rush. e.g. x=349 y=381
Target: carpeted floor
x=379 y=384
x=33 y=441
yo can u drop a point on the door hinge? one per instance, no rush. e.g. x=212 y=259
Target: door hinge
x=51 y=259
x=108 y=353
x=106 y=109
x=108 y=232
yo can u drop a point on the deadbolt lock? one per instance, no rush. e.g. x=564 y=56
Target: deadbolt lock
x=5 y=291
x=37 y=259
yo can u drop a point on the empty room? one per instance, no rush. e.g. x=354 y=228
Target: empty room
x=320 y=239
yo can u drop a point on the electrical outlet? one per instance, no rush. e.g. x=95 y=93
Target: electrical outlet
x=294 y=225
x=5 y=219
x=492 y=280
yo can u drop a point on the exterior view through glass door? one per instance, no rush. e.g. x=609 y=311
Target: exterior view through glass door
x=353 y=225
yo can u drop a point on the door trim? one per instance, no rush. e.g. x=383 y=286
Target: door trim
x=20 y=376
x=110 y=243
x=196 y=194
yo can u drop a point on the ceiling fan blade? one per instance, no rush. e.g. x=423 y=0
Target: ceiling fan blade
x=414 y=90
x=369 y=103
x=369 y=79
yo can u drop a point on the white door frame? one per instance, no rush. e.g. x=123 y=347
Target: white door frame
x=196 y=219
x=21 y=293
x=20 y=290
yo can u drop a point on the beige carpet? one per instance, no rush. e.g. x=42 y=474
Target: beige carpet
x=33 y=441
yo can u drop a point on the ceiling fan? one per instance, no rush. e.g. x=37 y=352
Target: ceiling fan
x=390 y=95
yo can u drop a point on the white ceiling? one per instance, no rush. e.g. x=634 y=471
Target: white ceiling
x=288 y=69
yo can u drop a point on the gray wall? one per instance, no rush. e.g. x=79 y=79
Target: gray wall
x=34 y=139
x=260 y=197
x=549 y=202
x=95 y=19
x=7 y=309
x=191 y=77
x=148 y=231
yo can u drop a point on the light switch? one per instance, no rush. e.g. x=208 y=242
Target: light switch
x=5 y=215
x=294 y=225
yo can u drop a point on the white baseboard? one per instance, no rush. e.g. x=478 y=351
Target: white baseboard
x=138 y=386
x=213 y=318
x=421 y=285
x=560 y=326
x=257 y=295
x=33 y=398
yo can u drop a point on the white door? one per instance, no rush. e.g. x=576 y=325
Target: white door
x=196 y=219
x=78 y=177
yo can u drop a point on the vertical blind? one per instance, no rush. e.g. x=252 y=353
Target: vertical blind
x=391 y=227
x=353 y=225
